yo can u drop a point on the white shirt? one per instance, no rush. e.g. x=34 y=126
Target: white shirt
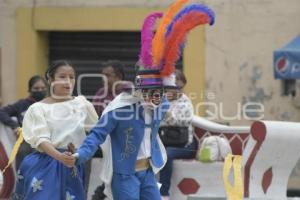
x=181 y=114
x=145 y=148
x=59 y=123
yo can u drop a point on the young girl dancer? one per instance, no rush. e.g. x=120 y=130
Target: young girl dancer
x=49 y=127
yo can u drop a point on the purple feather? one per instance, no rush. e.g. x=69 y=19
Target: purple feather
x=146 y=39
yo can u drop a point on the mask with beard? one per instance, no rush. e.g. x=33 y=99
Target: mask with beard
x=148 y=98
x=149 y=105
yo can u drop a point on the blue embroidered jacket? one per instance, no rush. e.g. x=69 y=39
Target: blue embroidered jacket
x=126 y=127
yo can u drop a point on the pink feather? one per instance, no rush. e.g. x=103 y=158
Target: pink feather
x=146 y=39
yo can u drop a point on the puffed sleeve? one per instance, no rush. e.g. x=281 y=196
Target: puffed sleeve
x=35 y=128
x=91 y=114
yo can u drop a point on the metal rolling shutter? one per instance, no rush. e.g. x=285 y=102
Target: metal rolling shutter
x=88 y=50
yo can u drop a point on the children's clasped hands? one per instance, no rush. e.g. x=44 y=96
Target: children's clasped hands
x=68 y=159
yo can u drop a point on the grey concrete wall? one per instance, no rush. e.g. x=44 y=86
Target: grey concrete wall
x=239 y=55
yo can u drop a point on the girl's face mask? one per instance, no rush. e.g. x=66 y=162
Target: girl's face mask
x=38 y=95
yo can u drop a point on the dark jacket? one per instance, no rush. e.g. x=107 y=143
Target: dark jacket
x=15 y=110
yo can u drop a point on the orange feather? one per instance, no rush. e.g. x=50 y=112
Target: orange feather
x=180 y=30
x=159 y=38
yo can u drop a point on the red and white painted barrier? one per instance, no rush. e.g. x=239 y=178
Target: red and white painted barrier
x=270 y=150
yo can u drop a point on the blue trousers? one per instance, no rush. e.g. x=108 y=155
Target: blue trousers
x=139 y=186
x=174 y=153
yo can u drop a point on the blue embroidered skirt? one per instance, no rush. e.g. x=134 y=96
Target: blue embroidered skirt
x=40 y=177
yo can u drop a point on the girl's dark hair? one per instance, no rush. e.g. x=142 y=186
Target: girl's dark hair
x=54 y=66
x=35 y=79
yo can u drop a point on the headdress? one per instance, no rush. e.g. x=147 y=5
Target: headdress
x=160 y=51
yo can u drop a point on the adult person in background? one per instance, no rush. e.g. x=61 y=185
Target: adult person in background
x=177 y=121
x=113 y=70
x=55 y=127
x=114 y=73
x=37 y=88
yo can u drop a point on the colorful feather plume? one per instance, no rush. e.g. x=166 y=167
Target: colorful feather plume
x=158 y=43
x=163 y=50
x=191 y=8
x=174 y=41
x=146 y=39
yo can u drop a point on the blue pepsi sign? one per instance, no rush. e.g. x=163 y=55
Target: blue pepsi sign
x=287 y=61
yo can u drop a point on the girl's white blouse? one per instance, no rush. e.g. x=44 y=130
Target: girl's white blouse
x=59 y=123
